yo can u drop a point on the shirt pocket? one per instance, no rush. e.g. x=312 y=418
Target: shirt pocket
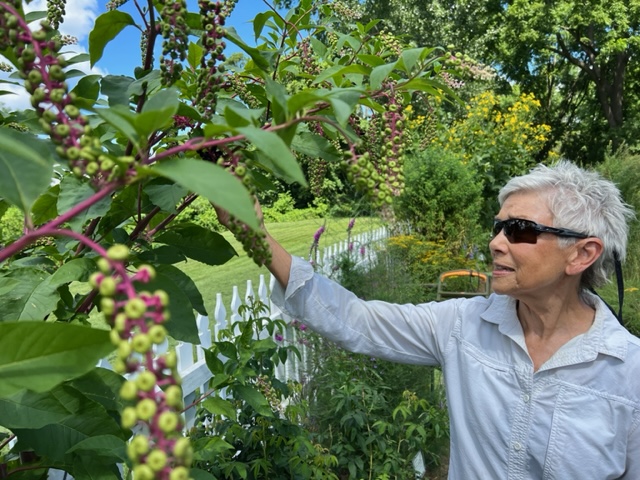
x=588 y=438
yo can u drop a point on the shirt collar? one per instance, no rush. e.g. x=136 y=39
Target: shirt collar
x=605 y=336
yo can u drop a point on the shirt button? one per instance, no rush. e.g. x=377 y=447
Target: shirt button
x=517 y=446
x=526 y=398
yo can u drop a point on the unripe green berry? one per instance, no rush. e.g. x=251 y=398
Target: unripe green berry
x=135 y=308
x=173 y=396
x=108 y=287
x=119 y=366
x=143 y=472
x=168 y=422
x=179 y=473
x=95 y=279
x=145 y=409
x=103 y=263
x=91 y=168
x=146 y=381
x=157 y=334
x=124 y=350
x=129 y=417
x=141 y=343
x=163 y=297
x=139 y=445
x=108 y=306
x=120 y=322
x=118 y=253
x=156 y=460
x=129 y=391
x=114 y=336
x=170 y=359
x=182 y=448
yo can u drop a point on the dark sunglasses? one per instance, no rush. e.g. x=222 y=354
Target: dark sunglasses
x=518 y=230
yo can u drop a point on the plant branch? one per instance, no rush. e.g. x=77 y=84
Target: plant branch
x=29 y=237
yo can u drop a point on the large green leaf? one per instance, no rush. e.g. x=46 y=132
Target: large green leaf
x=31 y=296
x=182 y=320
x=198 y=243
x=186 y=284
x=315 y=146
x=72 y=192
x=85 y=419
x=45 y=207
x=40 y=355
x=213 y=182
x=116 y=88
x=158 y=111
x=25 y=168
x=165 y=195
x=255 y=399
x=107 y=27
x=276 y=150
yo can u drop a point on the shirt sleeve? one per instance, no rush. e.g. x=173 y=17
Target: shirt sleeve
x=415 y=334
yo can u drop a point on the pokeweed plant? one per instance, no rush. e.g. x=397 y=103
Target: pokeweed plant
x=101 y=166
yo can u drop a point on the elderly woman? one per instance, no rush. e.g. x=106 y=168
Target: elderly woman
x=542 y=381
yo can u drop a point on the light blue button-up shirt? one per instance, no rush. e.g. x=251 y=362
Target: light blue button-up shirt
x=576 y=418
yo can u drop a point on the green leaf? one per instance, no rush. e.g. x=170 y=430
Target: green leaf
x=379 y=74
x=195 y=54
x=213 y=182
x=198 y=243
x=85 y=419
x=198 y=474
x=263 y=59
x=167 y=195
x=102 y=386
x=255 y=399
x=72 y=192
x=116 y=88
x=186 y=284
x=39 y=355
x=87 y=91
x=315 y=146
x=106 y=28
x=26 y=168
x=220 y=406
x=31 y=297
x=182 y=321
x=209 y=447
x=123 y=120
x=158 y=112
x=45 y=207
x=276 y=150
x=163 y=254
x=108 y=446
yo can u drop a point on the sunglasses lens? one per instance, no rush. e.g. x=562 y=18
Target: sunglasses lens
x=517 y=230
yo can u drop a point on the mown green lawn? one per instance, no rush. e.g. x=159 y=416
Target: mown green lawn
x=296 y=237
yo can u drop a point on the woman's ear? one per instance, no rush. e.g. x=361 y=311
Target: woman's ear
x=585 y=252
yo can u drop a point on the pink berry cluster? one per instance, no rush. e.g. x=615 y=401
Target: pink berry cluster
x=176 y=39
x=210 y=75
x=40 y=65
x=152 y=390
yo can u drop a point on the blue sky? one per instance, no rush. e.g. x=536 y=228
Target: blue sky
x=112 y=62
x=122 y=54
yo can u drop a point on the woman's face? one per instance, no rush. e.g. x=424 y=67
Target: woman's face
x=528 y=270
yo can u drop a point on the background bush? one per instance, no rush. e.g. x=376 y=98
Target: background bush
x=442 y=198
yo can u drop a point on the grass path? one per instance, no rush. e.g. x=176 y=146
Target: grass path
x=296 y=237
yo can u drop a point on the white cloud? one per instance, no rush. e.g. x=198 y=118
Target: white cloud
x=79 y=16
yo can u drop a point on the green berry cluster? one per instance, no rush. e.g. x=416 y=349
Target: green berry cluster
x=40 y=65
x=210 y=75
x=152 y=390
x=55 y=12
x=176 y=39
x=390 y=42
x=253 y=241
x=344 y=11
x=236 y=84
x=115 y=4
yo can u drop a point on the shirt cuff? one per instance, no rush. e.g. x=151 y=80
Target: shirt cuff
x=300 y=273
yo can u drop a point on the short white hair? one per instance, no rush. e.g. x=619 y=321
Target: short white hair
x=583 y=201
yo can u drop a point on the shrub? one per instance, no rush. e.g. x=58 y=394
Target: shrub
x=11 y=224
x=442 y=197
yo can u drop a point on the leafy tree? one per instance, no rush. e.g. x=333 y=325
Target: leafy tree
x=577 y=57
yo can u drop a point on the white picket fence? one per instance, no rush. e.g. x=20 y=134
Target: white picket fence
x=191 y=364
x=192 y=367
